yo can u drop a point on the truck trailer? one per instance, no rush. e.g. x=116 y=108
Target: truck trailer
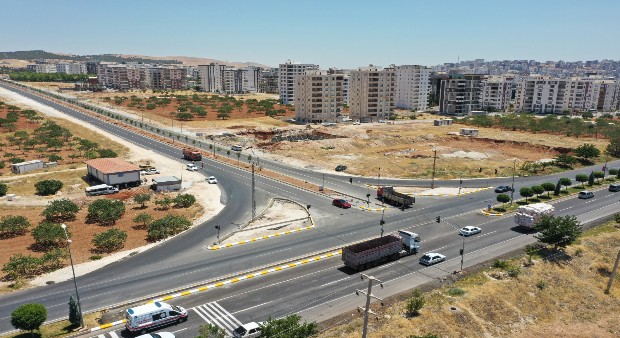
x=391 y=196
x=364 y=255
x=192 y=154
x=528 y=215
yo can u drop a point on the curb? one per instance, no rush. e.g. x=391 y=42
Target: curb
x=461 y=194
x=255 y=239
x=486 y=213
x=371 y=209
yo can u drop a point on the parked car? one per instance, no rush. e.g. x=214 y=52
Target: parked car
x=236 y=147
x=356 y=123
x=192 y=167
x=470 y=230
x=431 y=258
x=614 y=187
x=341 y=203
x=503 y=188
x=151 y=171
x=381 y=121
x=585 y=194
x=341 y=168
x=212 y=180
x=249 y=330
x=157 y=335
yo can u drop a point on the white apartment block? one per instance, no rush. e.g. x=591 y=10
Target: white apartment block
x=253 y=75
x=371 y=93
x=45 y=68
x=318 y=96
x=286 y=79
x=71 y=68
x=211 y=77
x=412 y=87
x=496 y=93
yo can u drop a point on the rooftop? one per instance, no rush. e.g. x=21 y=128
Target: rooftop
x=112 y=165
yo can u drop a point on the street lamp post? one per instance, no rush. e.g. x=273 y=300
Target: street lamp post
x=64 y=228
x=512 y=189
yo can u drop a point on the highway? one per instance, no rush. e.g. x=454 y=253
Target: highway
x=185 y=261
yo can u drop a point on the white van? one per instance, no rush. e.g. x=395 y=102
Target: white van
x=237 y=147
x=249 y=330
x=102 y=189
x=144 y=317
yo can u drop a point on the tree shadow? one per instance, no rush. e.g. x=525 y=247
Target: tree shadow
x=28 y=335
x=554 y=255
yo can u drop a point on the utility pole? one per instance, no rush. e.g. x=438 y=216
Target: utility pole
x=512 y=189
x=434 y=161
x=378 y=177
x=382 y=221
x=368 y=295
x=460 y=183
x=613 y=273
x=253 y=193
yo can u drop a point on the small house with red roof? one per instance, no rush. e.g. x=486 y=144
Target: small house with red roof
x=114 y=172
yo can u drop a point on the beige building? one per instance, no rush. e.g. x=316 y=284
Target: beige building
x=319 y=96
x=496 y=93
x=286 y=79
x=124 y=77
x=371 y=93
x=412 y=87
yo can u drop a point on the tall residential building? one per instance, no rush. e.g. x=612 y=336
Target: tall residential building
x=318 y=96
x=286 y=80
x=234 y=81
x=460 y=94
x=412 y=87
x=211 y=77
x=497 y=93
x=71 y=68
x=124 y=77
x=371 y=93
x=268 y=82
x=253 y=75
x=45 y=68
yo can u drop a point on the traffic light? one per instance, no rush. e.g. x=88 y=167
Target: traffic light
x=217 y=227
x=368 y=195
x=351 y=180
x=381 y=222
x=461 y=252
x=308 y=206
x=438 y=219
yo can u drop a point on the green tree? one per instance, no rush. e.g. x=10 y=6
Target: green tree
x=415 y=302
x=548 y=187
x=164 y=203
x=583 y=178
x=13 y=225
x=60 y=210
x=168 y=225
x=288 y=327
x=591 y=179
x=184 y=200
x=75 y=317
x=565 y=182
x=3 y=189
x=558 y=231
x=48 y=187
x=143 y=218
x=54 y=158
x=537 y=189
x=210 y=331
x=587 y=151
x=503 y=198
x=29 y=317
x=598 y=175
x=110 y=240
x=613 y=171
x=613 y=148
x=526 y=192
x=105 y=211
x=238 y=156
x=49 y=235
x=107 y=153
x=566 y=161
x=20 y=266
x=142 y=199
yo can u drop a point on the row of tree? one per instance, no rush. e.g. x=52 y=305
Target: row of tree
x=48 y=77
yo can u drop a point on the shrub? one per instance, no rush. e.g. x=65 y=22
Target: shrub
x=60 y=210
x=501 y=264
x=110 y=240
x=95 y=257
x=54 y=158
x=20 y=266
x=13 y=226
x=541 y=284
x=48 y=187
x=168 y=225
x=164 y=203
x=184 y=200
x=3 y=189
x=513 y=271
x=105 y=211
x=456 y=292
x=415 y=302
x=617 y=218
x=16 y=160
x=143 y=218
x=48 y=234
x=142 y=199
x=107 y=153
x=52 y=260
x=613 y=171
x=29 y=317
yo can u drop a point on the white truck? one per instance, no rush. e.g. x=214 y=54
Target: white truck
x=141 y=318
x=528 y=215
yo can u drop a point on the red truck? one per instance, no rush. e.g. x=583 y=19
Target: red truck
x=192 y=154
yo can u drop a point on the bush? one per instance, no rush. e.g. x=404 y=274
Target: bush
x=513 y=271
x=95 y=257
x=11 y=226
x=456 y=292
x=16 y=160
x=48 y=187
x=164 y=203
x=105 y=211
x=107 y=153
x=168 y=225
x=109 y=241
x=541 y=284
x=29 y=317
x=20 y=266
x=617 y=218
x=184 y=200
x=54 y=158
x=501 y=264
x=48 y=234
x=3 y=189
x=415 y=303
x=60 y=210
x=142 y=199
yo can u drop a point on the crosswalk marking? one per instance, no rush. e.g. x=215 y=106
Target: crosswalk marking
x=101 y=336
x=113 y=334
x=215 y=314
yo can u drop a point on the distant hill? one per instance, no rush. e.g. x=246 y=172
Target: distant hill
x=184 y=60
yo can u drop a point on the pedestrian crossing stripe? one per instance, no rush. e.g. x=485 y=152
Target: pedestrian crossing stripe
x=213 y=313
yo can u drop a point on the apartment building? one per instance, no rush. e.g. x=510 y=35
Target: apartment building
x=319 y=96
x=211 y=77
x=412 y=87
x=137 y=76
x=460 y=94
x=497 y=93
x=71 y=68
x=371 y=93
x=286 y=79
x=253 y=75
x=45 y=68
x=268 y=81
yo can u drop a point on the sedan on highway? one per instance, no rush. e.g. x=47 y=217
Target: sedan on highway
x=157 y=335
x=341 y=203
x=585 y=194
x=431 y=258
x=212 y=180
x=614 y=187
x=470 y=230
x=503 y=188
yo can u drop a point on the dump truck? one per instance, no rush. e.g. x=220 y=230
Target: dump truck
x=528 y=215
x=391 y=196
x=192 y=154
x=364 y=255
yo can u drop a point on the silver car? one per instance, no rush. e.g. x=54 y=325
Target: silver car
x=431 y=258
x=470 y=230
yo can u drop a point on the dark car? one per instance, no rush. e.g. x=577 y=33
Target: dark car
x=341 y=168
x=614 y=187
x=503 y=188
x=341 y=203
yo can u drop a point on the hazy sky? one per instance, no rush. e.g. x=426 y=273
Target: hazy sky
x=334 y=33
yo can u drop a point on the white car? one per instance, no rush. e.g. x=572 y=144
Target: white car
x=381 y=121
x=157 y=335
x=151 y=171
x=585 y=194
x=249 y=330
x=469 y=230
x=212 y=180
x=192 y=167
x=356 y=123
x=431 y=258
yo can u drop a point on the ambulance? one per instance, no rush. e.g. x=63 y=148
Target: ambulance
x=141 y=318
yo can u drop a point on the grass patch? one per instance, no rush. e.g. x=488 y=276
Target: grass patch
x=477 y=279
x=25 y=185
x=456 y=292
x=601 y=229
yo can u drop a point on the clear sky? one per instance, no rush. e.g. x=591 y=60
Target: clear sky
x=331 y=33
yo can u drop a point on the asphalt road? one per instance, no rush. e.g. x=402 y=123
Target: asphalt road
x=185 y=260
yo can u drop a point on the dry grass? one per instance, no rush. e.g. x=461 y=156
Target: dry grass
x=72 y=181
x=570 y=303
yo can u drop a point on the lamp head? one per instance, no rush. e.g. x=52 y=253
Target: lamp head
x=64 y=226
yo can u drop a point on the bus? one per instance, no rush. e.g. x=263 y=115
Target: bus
x=102 y=189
